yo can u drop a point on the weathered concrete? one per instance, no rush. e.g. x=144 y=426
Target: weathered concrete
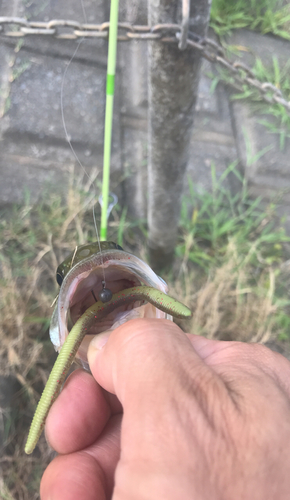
x=212 y=141
x=264 y=46
x=83 y=101
x=172 y=83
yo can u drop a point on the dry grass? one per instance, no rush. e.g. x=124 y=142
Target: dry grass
x=25 y=359
x=229 y=307
x=33 y=240
x=231 y=302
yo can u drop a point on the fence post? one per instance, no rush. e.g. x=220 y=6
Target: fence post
x=172 y=87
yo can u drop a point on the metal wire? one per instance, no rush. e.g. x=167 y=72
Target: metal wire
x=15 y=27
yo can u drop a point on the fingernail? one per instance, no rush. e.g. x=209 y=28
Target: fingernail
x=100 y=340
x=96 y=344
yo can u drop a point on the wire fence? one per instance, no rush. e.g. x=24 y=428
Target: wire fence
x=14 y=27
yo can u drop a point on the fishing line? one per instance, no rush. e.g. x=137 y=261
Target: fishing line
x=70 y=144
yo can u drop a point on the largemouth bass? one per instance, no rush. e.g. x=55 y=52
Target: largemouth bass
x=98 y=292
x=81 y=278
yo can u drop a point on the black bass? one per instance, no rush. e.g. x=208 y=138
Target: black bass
x=81 y=279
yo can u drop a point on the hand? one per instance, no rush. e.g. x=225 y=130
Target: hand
x=201 y=419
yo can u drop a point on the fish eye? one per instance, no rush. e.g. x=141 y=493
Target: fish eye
x=59 y=278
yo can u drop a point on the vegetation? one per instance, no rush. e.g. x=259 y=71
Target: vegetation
x=232 y=262
x=242 y=292
x=266 y=16
x=274 y=116
x=231 y=269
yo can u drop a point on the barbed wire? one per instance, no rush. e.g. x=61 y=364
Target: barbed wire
x=15 y=27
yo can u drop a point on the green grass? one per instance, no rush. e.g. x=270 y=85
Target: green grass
x=274 y=116
x=280 y=117
x=265 y=16
x=241 y=251
x=218 y=216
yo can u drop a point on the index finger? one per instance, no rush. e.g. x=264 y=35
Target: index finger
x=79 y=414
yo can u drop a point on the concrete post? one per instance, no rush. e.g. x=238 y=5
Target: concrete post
x=173 y=83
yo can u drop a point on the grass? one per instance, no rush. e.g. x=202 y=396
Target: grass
x=280 y=118
x=33 y=240
x=274 y=117
x=242 y=291
x=265 y=16
x=229 y=270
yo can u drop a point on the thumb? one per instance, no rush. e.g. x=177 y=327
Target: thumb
x=139 y=356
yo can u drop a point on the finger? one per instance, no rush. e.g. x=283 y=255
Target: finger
x=204 y=347
x=141 y=354
x=85 y=474
x=165 y=388
x=71 y=477
x=79 y=414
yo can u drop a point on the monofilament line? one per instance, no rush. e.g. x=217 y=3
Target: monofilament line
x=68 y=137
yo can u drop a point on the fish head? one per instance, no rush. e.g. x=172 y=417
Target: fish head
x=83 y=275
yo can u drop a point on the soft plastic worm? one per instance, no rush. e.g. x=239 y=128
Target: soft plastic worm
x=70 y=347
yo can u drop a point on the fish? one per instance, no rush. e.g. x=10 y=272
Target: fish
x=82 y=276
x=99 y=290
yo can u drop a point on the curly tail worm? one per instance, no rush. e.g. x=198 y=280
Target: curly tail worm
x=75 y=337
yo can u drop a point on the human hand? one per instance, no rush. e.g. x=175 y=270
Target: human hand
x=201 y=419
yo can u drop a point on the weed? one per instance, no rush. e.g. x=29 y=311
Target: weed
x=279 y=77
x=4 y=491
x=266 y=16
x=279 y=117
x=17 y=71
x=34 y=239
x=242 y=295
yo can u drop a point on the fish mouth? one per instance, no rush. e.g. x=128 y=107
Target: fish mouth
x=81 y=288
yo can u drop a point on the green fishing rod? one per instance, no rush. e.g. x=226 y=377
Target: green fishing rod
x=110 y=88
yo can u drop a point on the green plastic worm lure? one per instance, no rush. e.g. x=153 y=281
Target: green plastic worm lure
x=132 y=290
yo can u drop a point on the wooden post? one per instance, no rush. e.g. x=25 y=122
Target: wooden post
x=172 y=86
